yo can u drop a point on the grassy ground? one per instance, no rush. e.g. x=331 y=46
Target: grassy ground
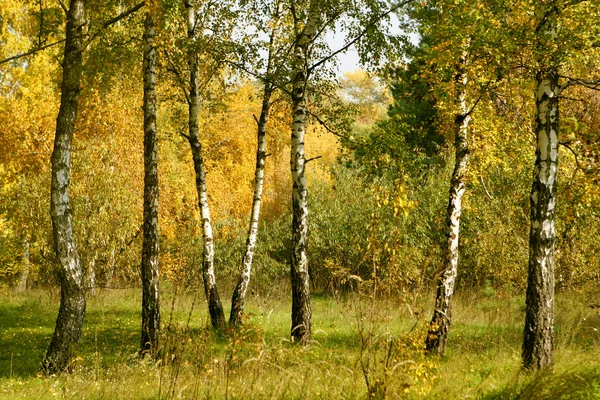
x=355 y=340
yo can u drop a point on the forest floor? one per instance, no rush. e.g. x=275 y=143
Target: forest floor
x=356 y=340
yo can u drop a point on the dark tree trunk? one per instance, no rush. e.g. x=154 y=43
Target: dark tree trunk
x=239 y=293
x=72 y=295
x=150 y=250
x=215 y=307
x=539 y=318
x=442 y=314
x=301 y=307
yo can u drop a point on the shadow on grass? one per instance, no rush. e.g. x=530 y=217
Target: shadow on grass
x=27 y=325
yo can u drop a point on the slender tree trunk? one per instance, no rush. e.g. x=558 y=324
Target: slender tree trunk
x=90 y=277
x=111 y=269
x=24 y=273
x=538 y=338
x=301 y=307
x=72 y=295
x=150 y=249
x=239 y=293
x=215 y=307
x=442 y=314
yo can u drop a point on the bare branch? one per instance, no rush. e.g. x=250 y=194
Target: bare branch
x=564 y=144
x=41 y=25
x=312 y=159
x=329 y=129
x=586 y=83
x=485 y=188
x=64 y=7
x=182 y=84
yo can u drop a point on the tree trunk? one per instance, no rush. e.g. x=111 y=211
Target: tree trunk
x=538 y=338
x=239 y=293
x=72 y=295
x=301 y=307
x=150 y=273
x=111 y=269
x=539 y=318
x=90 y=277
x=442 y=314
x=24 y=273
x=215 y=307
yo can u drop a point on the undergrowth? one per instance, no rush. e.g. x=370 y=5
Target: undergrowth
x=362 y=348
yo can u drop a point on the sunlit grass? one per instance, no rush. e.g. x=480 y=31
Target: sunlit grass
x=353 y=337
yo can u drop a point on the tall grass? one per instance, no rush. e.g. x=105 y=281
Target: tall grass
x=362 y=348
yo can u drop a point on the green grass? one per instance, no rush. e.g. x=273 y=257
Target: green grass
x=353 y=337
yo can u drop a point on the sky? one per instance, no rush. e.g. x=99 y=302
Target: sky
x=348 y=61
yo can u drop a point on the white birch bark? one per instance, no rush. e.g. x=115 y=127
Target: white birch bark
x=301 y=306
x=538 y=341
x=538 y=338
x=111 y=269
x=90 y=277
x=72 y=295
x=440 y=322
x=215 y=307
x=239 y=293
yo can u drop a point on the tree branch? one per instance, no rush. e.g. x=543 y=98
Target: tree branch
x=587 y=83
x=116 y=19
x=485 y=188
x=360 y=35
x=312 y=159
x=30 y=52
x=64 y=7
x=259 y=76
x=329 y=129
x=564 y=144
x=182 y=84
x=41 y=25
x=92 y=37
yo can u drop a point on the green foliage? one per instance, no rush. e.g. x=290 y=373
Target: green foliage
x=414 y=109
x=391 y=227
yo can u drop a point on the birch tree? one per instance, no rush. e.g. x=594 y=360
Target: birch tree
x=360 y=20
x=215 y=306
x=555 y=21
x=301 y=307
x=150 y=245
x=462 y=45
x=450 y=53
x=442 y=314
x=239 y=292
x=72 y=295
x=538 y=340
